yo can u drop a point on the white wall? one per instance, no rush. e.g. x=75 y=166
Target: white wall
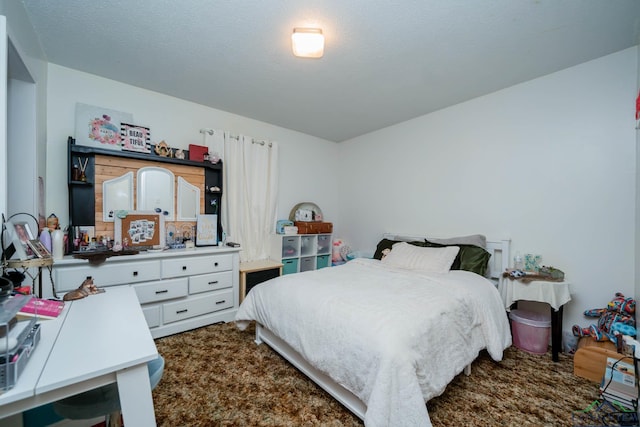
x=637 y=218
x=305 y=162
x=549 y=163
x=26 y=64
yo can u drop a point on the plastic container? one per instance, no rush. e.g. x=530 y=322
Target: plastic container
x=45 y=238
x=530 y=330
x=57 y=244
x=290 y=266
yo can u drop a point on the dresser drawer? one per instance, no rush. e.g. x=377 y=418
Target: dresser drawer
x=69 y=278
x=152 y=315
x=160 y=291
x=210 y=282
x=196 y=306
x=196 y=265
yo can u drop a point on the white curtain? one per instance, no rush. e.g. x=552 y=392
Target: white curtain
x=250 y=192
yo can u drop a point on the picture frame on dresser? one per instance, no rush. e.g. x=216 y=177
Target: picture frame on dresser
x=19 y=234
x=140 y=230
x=135 y=138
x=38 y=249
x=207 y=230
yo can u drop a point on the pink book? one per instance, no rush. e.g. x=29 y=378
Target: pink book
x=43 y=307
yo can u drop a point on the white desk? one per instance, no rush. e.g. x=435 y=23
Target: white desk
x=556 y=294
x=97 y=340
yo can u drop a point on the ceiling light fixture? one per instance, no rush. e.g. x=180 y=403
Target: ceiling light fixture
x=307 y=42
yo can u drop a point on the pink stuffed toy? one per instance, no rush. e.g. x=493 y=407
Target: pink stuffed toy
x=340 y=251
x=336 y=256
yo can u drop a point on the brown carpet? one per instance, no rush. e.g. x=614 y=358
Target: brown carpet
x=218 y=376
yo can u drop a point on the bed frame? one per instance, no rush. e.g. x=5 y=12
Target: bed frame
x=498 y=262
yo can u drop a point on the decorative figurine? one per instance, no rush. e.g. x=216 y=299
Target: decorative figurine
x=162 y=149
x=86 y=288
x=214 y=158
x=52 y=222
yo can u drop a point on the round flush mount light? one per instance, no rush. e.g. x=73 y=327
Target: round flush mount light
x=307 y=42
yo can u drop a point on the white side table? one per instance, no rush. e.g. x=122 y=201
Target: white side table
x=556 y=294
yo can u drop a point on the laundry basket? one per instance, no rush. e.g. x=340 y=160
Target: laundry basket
x=530 y=330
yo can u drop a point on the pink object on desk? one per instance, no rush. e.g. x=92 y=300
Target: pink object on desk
x=43 y=307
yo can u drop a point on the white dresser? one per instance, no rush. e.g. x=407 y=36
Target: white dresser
x=178 y=289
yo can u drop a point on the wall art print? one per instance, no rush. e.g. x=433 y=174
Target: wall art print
x=207 y=230
x=99 y=127
x=135 y=138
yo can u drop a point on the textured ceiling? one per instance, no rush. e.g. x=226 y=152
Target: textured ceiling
x=385 y=61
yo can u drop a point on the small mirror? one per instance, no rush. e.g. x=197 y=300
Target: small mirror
x=117 y=194
x=188 y=200
x=156 y=191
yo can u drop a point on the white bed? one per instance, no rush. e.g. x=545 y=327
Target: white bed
x=382 y=354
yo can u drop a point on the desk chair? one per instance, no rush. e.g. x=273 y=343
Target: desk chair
x=103 y=401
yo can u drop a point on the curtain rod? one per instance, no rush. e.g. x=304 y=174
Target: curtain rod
x=253 y=140
x=237 y=138
x=257 y=141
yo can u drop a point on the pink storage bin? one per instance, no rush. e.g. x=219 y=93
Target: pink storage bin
x=530 y=330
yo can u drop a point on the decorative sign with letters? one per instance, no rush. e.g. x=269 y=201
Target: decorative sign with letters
x=207 y=230
x=135 y=138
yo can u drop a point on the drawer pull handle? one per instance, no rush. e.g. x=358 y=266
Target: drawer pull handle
x=215 y=264
x=213 y=283
x=181 y=311
x=184 y=267
x=135 y=273
x=221 y=302
x=162 y=292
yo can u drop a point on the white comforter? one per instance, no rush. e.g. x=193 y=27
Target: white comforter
x=393 y=337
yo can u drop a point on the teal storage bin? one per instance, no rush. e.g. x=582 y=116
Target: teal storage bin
x=322 y=261
x=289 y=266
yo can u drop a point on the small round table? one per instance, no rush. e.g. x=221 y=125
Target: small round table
x=26 y=264
x=556 y=294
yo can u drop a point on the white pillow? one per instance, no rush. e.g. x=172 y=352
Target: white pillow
x=411 y=257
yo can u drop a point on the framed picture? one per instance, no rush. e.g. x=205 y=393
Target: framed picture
x=140 y=230
x=99 y=127
x=39 y=249
x=135 y=138
x=20 y=234
x=23 y=231
x=207 y=230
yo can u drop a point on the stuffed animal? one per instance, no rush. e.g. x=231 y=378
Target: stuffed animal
x=336 y=256
x=616 y=318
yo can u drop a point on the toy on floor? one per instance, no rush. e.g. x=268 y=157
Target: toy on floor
x=617 y=318
x=340 y=250
x=335 y=253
